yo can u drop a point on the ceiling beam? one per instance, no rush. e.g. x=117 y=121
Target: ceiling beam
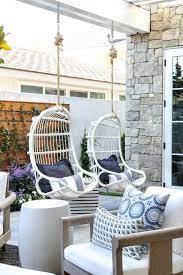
x=149 y=2
x=127 y=18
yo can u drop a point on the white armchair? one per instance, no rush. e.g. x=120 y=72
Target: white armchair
x=6 y=199
x=165 y=254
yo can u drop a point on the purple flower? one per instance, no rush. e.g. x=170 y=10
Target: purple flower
x=18 y=172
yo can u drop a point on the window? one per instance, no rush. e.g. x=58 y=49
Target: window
x=122 y=97
x=31 y=89
x=53 y=91
x=78 y=94
x=97 y=95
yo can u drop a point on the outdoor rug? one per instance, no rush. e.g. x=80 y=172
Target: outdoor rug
x=10 y=256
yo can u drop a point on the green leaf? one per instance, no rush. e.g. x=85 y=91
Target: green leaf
x=2 y=36
x=1 y=28
x=1 y=61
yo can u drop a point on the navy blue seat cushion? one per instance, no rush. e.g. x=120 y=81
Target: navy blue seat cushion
x=110 y=164
x=60 y=169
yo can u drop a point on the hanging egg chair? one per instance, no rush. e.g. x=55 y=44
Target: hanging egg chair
x=51 y=143
x=105 y=149
x=55 y=166
x=105 y=154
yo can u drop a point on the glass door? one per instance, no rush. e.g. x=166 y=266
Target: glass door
x=173 y=117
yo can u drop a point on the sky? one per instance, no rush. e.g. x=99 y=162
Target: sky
x=33 y=28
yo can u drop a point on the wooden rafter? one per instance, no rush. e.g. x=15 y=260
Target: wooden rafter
x=149 y=2
x=127 y=17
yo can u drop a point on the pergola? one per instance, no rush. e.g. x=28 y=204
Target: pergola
x=129 y=17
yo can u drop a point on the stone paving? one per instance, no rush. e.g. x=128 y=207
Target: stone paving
x=81 y=233
x=10 y=256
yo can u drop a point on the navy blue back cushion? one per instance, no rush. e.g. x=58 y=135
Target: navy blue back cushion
x=110 y=164
x=60 y=169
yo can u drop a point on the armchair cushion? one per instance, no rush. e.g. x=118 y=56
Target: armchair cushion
x=107 y=225
x=97 y=260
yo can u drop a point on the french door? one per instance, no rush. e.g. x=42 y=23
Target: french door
x=173 y=117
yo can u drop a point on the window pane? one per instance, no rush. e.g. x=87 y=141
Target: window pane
x=78 y=94
x=97 y=95
x=122 y=97
x=177 y=72
x=53 y=91
x=177 y=138
x=31 y=89
x=177 y=105
x=177 y=170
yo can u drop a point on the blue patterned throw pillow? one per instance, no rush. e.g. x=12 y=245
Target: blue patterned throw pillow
x=107 y=225
x=136 y=204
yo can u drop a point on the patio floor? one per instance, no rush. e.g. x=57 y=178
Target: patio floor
x=81 y=233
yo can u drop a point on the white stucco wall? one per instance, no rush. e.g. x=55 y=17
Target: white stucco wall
x=82 y=110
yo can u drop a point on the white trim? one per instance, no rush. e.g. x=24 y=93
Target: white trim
x=168 y=74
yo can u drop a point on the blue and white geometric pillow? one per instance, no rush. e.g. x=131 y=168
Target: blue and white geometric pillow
x=107 y=225
x=136 y=204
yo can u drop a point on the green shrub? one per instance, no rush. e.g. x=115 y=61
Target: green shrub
x=123 y=145
x=85 y=162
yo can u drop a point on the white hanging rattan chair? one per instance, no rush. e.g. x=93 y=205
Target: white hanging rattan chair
x=50 y=141
x=104 y=140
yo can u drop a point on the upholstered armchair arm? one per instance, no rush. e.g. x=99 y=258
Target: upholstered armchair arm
x=160 y=249
x=5 y=208
x=67 y=222
x=7 y=201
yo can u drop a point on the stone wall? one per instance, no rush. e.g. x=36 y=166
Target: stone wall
x=144 y=92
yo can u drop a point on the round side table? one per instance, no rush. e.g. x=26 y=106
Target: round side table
x=39 y=234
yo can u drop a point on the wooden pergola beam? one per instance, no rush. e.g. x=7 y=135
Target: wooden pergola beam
x=149 y=2
x=127 y=18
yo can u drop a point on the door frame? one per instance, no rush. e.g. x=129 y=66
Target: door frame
x=169 y=53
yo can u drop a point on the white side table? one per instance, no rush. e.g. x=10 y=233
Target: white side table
x=14 y=270
x=39 y=234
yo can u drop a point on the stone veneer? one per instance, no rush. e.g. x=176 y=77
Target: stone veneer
x=144 y=90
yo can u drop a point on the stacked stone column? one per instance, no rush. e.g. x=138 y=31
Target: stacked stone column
x=144 y=90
